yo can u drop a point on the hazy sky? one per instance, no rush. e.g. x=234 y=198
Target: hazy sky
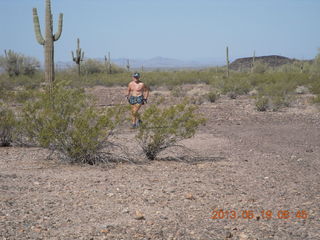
x=182 y=29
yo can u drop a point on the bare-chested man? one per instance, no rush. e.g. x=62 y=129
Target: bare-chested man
x=137 y=95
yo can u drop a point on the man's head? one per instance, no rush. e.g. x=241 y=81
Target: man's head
x=136 y=76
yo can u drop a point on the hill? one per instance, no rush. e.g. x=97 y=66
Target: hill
x=271 y=61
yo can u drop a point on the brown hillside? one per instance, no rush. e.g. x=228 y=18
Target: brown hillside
x=272 y=61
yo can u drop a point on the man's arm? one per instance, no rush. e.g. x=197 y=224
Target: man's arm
x=128 y=90
x=145 y=91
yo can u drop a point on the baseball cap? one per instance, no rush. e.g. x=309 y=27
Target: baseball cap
x=136 y=75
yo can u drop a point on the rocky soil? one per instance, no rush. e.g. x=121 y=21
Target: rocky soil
x=253 y=164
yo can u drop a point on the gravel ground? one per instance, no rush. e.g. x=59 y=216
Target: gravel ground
x=255 y=164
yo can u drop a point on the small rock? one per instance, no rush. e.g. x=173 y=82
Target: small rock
x=139 y=215
x=228 y=234
x=190 y=196
x=126 y=210
x=310 y=150
x=243 y=236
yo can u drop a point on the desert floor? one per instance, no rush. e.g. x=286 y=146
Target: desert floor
x=249 y=162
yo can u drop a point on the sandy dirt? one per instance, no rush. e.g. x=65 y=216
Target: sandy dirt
x=253 y=164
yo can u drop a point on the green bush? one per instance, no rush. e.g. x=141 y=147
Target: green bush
x=262 y=103
x=66 y=121
x=8 y=125
x=316 y=99
x=278 y=102
x=16 y=64
x=197 y=100
x=164 y=127
x=260 y=67
x=237 y=84
x=315 y=66
x=212 y=96
x=93 y=66
x=178 y=92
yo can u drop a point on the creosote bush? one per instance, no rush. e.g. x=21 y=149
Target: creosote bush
x=16 y=64
x=212 y=96
x=66 y=121
x=162 y=128
x=8 y=126
x=262 y=104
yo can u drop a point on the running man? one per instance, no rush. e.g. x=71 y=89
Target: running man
x=137 y=95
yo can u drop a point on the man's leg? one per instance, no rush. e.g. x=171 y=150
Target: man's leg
x=135 y=115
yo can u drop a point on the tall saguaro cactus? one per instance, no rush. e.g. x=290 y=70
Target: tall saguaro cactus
x=253 y=60
x=227 y=59
x=79 y=56
x=128 y=65
x=48 y=41
x=107 y=60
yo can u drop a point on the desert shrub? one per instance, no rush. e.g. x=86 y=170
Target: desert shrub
x=301 y=90
x=315 y=85
x=262 y=103
x=237 y=84
x=212 y=96
x=16 y=64
x=278 y=102
x=260 y=67
x=22 y=81
x=197 y=100
x=232 y=95
x=67 y=121
x=164 y=127
x=316 y=99
x=315 y=66
x=93 y=66
x=24 y=95
x=8 y=125
x=178 y=92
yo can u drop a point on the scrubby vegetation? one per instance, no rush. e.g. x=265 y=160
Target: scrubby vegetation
x=162 y=128
x=16 y=64
x=67 y=121
x=8 y=125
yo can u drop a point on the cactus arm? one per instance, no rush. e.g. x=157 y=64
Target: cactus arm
x=73 y=56
x=37 y=29
x=82 y=57
x=58 y=33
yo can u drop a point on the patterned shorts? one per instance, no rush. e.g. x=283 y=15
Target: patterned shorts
x=136 y=100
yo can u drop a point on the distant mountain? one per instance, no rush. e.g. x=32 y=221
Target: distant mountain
x=160 y=62
x=171 y=63
x=271 y=61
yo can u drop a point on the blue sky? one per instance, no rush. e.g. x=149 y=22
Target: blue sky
x=181 y=29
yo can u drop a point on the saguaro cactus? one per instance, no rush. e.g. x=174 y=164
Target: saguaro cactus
x=49 y=39
x=79 y=56
x=128 y=65
x=253 y=60
x=228 y=62
x=107 y=60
